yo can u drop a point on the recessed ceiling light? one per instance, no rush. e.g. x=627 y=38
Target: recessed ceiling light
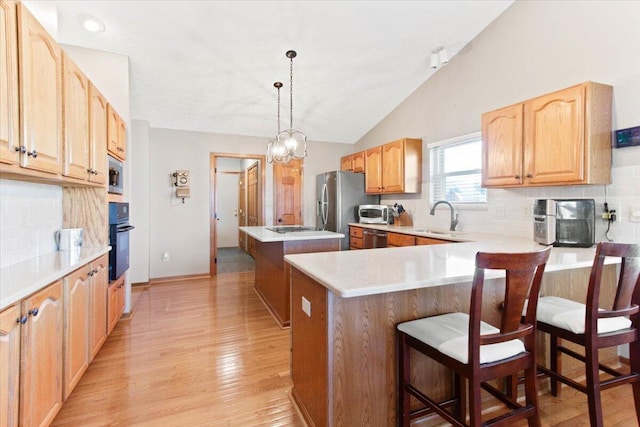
x=91 y=23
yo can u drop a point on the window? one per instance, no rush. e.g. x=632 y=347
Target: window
x=456 y=170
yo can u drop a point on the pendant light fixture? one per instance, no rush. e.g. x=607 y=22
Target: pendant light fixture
x=290 y=143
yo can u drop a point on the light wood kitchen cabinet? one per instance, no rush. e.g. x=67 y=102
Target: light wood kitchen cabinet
x=42 y=356
x=356 y=238
x=394 y=168
x=345 y=163
x=9 y=365
x=563 y=138
x=40 y=79
x=353 y=162
x=115 y=303
x=76 y=121
x=98 y=305
x=77 y=288
x=429 y=241
x=97 y=136
x=116 y=134
x=9 y=119
x=399 y=239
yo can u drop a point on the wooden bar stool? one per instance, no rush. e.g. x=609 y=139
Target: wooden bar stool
x=594 y=328
x=476 y=350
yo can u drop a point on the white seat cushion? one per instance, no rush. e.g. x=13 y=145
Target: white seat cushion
x=570 y=315
x=448 y=333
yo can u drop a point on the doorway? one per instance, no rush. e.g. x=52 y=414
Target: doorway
x=236 y=198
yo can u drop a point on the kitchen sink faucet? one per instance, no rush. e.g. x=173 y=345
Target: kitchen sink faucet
x=454 y=222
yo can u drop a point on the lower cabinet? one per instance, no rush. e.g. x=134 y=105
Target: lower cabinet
x=9 y=365
x=98 y=305
x=399 y=239
x=77 y=287
x=41 y=360
x=115 y=303
x=355 y=238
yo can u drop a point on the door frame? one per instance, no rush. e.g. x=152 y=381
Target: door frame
x=213 y=161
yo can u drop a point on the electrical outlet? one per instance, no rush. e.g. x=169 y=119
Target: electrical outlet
x=634 y=214
x=499 y=211
x=165 y=256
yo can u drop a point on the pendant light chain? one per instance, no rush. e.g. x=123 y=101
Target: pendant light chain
x=291 y=92
x=278 y=85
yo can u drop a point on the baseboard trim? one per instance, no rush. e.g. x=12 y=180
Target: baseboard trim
x=140 y=284
x=157 y=280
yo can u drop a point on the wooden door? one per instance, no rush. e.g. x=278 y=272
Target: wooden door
x=502 y=146
x=41 y=360
x=288 y=193
x=76 y=120
x=98 y=304
x=9 y=123
x=554 y=137
x=97 y=136
x=9 y=366
x=373 y=166
x=76 y=327
x=242 y=209
x=393 y=167
x=40 y=76
x=253 y=204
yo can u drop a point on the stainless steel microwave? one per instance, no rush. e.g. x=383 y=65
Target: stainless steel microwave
x=115 y=176
x=374 y=214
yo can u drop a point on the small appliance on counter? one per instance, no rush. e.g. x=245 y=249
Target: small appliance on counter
x=564 y=222
x=374 y=214
x=69 y=239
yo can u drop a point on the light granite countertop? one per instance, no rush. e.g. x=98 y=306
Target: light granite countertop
x=266 y=234
x=376 y=271
x=20 y=280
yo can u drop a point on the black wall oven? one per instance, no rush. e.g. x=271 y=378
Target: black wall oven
x=119 y=228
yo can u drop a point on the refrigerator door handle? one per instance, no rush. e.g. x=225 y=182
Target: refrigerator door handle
x=325 y=204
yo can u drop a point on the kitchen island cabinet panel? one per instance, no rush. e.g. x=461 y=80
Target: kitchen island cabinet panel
x=42 y=357
x=9 y=366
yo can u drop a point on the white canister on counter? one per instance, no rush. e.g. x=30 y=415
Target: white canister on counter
x=69 y=239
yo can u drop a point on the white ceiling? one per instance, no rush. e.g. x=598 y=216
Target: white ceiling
x=210 y=65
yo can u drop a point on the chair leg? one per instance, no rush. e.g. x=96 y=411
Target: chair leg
x=531 y=394
x=593 y=388
x=555 y=364
x=475 y=402
x=511 y=385
x=459 y=393
x=634 y=358
x=404 y=377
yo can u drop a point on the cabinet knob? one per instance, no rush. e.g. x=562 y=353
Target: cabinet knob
x=21 y=149
x=33 y=312
x=90 y=273
x=22 y=320
x=517 y=177
x=32 y=153
x=95 y=271
x=529 y=175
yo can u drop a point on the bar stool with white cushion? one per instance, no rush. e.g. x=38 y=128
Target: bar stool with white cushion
x=476 y=350
x=594 y=328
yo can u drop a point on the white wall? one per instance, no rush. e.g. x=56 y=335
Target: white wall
x=183 y=229
x=227 y=181
x=138 y=150
x=533 y=48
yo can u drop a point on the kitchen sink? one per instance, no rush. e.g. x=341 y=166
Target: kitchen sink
x=290 y=229
x=437 y=232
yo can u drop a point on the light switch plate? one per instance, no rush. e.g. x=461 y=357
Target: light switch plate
x=635 y=214
x=306 y=306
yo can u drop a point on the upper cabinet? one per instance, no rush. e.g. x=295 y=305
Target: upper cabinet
x=353 y=162
x=563 y=138
x=97 y=136
x=116 y=134
x=76 y=121
x=9 y=125
x=40 y=77
x=394 y=168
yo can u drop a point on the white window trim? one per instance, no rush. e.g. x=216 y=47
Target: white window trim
x=473 y=135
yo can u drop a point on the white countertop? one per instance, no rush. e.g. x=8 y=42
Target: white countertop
x=20 y=280
x=376 y=271
x=264 y=235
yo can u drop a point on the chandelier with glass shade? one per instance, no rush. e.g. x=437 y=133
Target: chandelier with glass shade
x=289 y=143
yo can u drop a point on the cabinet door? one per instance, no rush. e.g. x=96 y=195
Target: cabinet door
x=393 y=167
x=373 y=166
x=345 y=164
x=115 y=304
x=76 y=327
x=98 y=305
x=9 y=125
x=9 y=366
x=97 y=136
x=502 y=146
x=429 y=241
x=122 y=138
x=40 y=76
x=76 y=121
x=399 y=239
x=357 y=162
x=41 y=360
x=554 y=137
x=112 y=131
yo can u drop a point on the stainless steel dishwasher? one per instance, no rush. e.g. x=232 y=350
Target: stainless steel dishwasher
x=374 y=238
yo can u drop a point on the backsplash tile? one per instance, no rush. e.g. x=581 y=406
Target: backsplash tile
x=29 y=216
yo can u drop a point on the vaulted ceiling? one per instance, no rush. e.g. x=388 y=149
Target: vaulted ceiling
x=210 y=65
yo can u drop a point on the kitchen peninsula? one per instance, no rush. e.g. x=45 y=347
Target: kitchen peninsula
x=272 y=244
x=343 y=363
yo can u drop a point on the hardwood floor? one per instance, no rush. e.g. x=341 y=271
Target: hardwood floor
x=208 y=353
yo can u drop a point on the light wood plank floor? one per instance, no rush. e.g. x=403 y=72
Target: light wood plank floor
x=207 y=353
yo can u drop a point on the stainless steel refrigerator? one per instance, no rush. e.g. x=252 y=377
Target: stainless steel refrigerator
x=338 y=195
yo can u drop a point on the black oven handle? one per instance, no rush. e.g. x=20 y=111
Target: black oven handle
x=124 y=228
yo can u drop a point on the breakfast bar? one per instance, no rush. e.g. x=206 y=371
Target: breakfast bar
x=345 y=306
x=271 y=277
